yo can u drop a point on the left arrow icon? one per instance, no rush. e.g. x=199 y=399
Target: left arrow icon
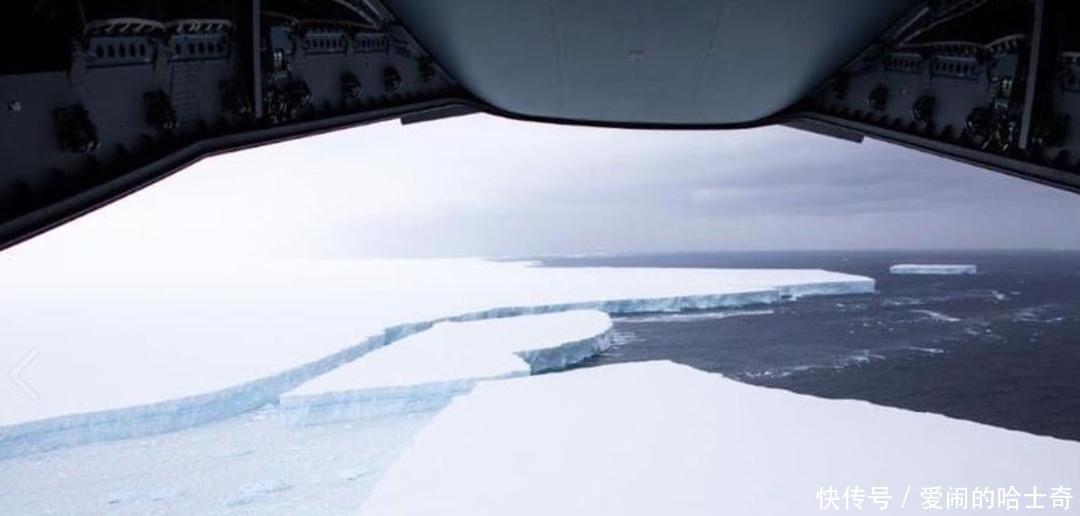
x=16 y=375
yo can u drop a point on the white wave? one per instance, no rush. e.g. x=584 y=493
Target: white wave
x=901 y=301
x=1038 y=314
x=768 y=373
x=932 y=351
x=937 y=316
x=863 y=356
x=781 y=372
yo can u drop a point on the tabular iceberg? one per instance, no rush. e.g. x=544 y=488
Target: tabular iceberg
x=213 y=344
x=244 y=341
x=913 y=268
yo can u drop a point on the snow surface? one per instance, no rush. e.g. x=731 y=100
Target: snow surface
x=911 y=268
x=135 y=349
x=660 y=438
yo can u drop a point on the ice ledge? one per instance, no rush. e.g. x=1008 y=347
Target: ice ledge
x=376 y=402
x=424 y=372
x=129 y=422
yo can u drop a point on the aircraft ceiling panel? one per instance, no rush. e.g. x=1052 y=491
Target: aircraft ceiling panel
x=645 y=61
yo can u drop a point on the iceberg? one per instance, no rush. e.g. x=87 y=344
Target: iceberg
x=911 y=268
x=661 y=438
x=460 y=418
x=144 y=351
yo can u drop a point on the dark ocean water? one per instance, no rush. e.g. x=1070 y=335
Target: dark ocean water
x=1001 y=347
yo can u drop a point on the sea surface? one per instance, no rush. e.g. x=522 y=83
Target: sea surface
x=1001 y=347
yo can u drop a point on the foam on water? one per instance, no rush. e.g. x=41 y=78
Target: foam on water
x=931 y=351
x=937 y=316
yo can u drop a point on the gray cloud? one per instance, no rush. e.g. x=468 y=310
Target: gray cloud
x=764 y=189
x=485 y=186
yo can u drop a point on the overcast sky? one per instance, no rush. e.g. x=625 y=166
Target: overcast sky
x=483 y=186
